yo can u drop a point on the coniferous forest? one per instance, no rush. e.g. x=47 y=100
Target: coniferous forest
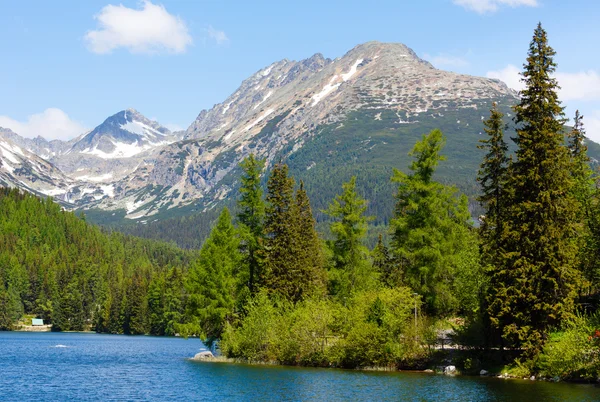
x=519 y=287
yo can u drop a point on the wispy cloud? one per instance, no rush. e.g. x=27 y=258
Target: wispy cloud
x=580 y=86
x=446 y=60
x=150 y=29
x=592 y=126
x=491 y=6
x=218 y=36
x=509 y=75
x=52 y=123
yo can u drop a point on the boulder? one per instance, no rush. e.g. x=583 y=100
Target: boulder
x=450 y=370
x=206 y=354
x=483 y=372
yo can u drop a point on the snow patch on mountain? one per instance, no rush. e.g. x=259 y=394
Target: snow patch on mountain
x=261 y=118
x=352 y=71
x=327 y=89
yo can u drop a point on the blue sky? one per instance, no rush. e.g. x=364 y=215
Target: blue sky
x=67 y=65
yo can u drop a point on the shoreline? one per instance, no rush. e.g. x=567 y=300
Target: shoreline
x=438 y=371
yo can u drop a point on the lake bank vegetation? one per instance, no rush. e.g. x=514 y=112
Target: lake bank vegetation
x=267 y=287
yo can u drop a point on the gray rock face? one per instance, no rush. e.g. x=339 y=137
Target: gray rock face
x=132 y=163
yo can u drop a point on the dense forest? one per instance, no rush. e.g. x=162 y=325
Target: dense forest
x=266 y=286
x=57 y=267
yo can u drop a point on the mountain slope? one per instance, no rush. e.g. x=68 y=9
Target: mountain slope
x=20 y=168
x=281 y=108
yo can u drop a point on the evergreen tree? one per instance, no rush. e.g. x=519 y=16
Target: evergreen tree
x=310 y=256
x=156 y=305
x=286 y=273
x=492 y=178
x=212 y=282
x=534 y=284
x=349 y=228
x=430 y=228
x=6 y=313
x=383 y=263
x=251 y=217
x=583 y=190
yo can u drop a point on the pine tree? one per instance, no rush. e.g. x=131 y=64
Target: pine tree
x=383 y=263
x=349 y=228
x=285 y=274
x=310 y=258
x=251 y=217
x=6 y=314
x=534 y=284
x=588 y=219
x=492 y=178
x=430 y=228
x=211 y=282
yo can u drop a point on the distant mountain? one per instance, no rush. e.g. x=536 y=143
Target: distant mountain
x=359 y=114
x=285 y=109
x=23 y=169
x=113 y=149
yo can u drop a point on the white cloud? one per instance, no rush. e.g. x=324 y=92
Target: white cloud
x=218 y=36
x=592 y=126
x=584 y=85
x=581 y=86
x=509 y=75
x=491 y=6
x=446 y=60
x=51 y=124
x=150 y=29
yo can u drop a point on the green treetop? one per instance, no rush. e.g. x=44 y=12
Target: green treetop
x=251 y=217
x=534 y=285
x=430 y=228
x=349 y=228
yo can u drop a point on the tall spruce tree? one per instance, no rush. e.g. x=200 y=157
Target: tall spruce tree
x=285 y=259
x=534 y=285
x=349 y=228
x=492 y=178
x=430 y=228
x=310 y=256
x=251 y=218
x=588 y=219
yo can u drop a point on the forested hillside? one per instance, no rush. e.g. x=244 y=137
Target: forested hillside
x=58 y=267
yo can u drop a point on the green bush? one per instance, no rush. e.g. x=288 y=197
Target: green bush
x=574 y=352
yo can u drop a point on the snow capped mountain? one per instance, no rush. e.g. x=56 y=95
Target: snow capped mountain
x=133 y=164
x=23 y=169
x=113 y=149
x=123 y=135
x=278 y=109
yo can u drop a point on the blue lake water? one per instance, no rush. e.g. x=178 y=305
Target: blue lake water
x=54 y=366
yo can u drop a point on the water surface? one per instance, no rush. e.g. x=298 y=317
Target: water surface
x=54 y=366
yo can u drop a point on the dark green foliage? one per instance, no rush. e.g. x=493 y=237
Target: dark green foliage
x=587 y=213
x=251 y=217
x=310 y=256
x=534 y=284
x=74 y=276
x=384 y=264
x=492 y=178
x=290 y=272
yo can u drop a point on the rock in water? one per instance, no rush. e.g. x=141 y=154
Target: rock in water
x=450 y=370
x=206 y=354
x=483 y=372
